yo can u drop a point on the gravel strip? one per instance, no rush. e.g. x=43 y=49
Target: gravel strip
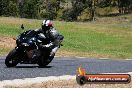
x=70 y=84
x=57 y=82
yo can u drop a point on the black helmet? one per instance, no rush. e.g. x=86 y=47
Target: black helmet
x=46 y=24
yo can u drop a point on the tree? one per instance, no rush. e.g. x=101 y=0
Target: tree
x=78 y=6
x=124 y=6
x=13 y=9
x=20 y=7
x=71 y=14
x=4 y=7
x=30 y=9
x=49 y=8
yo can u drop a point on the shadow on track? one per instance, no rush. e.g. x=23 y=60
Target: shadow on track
x=33 y=67
x=30 y=67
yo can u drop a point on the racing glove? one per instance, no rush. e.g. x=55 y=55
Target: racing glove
x=50 y=45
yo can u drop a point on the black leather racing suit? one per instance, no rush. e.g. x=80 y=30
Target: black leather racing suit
x=52 y=39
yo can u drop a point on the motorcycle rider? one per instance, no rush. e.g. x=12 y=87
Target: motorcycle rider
x=49 y=33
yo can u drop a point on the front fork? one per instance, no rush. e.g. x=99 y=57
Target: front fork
x=21 y=53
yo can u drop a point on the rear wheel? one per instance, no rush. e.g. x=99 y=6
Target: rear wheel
x=11 y=59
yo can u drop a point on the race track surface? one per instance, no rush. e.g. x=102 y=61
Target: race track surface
x=64 y=66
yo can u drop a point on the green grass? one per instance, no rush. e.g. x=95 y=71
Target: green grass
x=3 y=51
x=96 y=39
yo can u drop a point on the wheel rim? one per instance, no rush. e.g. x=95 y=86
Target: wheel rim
x=12 y=61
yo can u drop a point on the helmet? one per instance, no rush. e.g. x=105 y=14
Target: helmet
x=46 y=24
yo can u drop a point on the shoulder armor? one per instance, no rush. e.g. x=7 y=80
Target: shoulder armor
x=36 y=29
x=54 y=33
x=41 y=35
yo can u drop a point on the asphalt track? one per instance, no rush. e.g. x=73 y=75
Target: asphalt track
x=64 y=66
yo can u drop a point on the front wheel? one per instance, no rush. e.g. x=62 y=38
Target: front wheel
x=44 y=61
x=11 y=59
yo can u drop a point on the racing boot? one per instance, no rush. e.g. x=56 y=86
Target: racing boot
x=52 y=53
x=35 y=57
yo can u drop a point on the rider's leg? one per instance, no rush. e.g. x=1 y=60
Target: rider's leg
x=53 y=51
x=36 y=55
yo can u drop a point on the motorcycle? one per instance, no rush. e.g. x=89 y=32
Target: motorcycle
x=26 y=48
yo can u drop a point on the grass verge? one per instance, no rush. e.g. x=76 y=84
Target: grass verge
x=107 y=37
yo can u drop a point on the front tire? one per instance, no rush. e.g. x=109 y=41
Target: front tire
x=44 y=61
x=11 y=59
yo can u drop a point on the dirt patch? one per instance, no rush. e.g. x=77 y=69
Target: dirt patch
x=73 y=84
x=7 y=42
x=68 y=53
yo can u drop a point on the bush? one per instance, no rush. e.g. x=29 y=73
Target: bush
x=67 y=15
x=48 y=14
x=13 y=9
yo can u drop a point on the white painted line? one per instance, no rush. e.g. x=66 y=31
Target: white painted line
x=88 y=57
x=62 y=56
x=80 y=57
x=129 y=72
x=104 y=58
x=128 y=59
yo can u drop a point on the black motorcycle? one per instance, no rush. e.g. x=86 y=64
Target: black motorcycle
x=26 y=49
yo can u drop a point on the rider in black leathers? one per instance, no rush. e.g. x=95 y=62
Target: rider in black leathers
x=50 y=36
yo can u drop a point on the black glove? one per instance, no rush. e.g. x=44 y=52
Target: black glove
x=50 y=45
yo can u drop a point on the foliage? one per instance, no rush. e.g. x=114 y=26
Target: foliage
x=4 y=7
x=51 y=9
x=30 y=9
x=13 y=9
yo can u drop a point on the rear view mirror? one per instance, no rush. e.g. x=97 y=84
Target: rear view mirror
x=22 y=27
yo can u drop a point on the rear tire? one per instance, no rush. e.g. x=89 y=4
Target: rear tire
x=11 y=59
